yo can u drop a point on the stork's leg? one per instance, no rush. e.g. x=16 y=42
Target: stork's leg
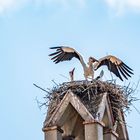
x=92 y=76
x=86 y=78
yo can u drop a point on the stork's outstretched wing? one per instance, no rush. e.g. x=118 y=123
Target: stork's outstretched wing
x=63 y=54
x=115 y=65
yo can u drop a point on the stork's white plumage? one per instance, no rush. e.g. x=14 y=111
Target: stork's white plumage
x=113 y=63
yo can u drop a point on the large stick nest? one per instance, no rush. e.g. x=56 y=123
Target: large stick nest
x=90 y=93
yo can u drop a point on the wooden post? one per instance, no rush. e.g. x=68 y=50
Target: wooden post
x=53 y=133
x=94 y=130
x=110 y=135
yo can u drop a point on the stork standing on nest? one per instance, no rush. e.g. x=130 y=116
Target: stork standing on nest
x=114 y=64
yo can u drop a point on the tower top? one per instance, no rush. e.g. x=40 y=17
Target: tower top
x=75 y=105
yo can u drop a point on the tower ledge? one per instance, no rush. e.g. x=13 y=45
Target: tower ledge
x=95 y=103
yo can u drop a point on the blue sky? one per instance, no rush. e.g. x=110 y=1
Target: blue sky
x=29 y=27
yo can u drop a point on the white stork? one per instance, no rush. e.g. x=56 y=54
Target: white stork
x=115 y=65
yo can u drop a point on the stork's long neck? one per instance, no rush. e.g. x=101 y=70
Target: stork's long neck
x=90 y=65
x=95 y=65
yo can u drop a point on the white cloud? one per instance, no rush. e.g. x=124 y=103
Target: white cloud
x=121 y=6
x=64 y=3
x=11 y=5
x=8 y=5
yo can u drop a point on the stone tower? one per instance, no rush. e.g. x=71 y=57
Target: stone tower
x=75 y=117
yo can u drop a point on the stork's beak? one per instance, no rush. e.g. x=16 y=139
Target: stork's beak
x=72 y=72
x=94 y=60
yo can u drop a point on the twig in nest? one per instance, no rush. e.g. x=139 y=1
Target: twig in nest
x=64 y=76
x=55 y=83
x=41 y=88
x=136 y=109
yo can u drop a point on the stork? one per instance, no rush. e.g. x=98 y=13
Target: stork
x=114 y=64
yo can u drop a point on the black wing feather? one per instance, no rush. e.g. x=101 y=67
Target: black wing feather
x=58 y=47
x=127 y=67
x=113 y=68
x=122 y=72
x=54 y=53
x=62 y=54
x=118 y=68
x=58 y=59
x=124 y=66
x=56 y=56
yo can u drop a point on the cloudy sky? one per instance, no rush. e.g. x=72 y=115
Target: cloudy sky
x=29 y=27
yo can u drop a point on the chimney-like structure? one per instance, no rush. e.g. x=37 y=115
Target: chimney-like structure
x=85 y=111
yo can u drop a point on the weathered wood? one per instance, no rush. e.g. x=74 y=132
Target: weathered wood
x=121 y=128
x=110 y=135
x=53 y=133
x=94 y=130
x=105 y=112
x=76 y=119
x=69 y=98
x=74 y=126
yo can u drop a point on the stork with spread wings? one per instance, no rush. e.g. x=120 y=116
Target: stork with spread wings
x=114 y=64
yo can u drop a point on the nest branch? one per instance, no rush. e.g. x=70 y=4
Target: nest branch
x=90 y=93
